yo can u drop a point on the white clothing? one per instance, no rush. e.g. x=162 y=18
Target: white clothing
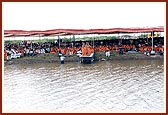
x=107 y=53
x=62 y=58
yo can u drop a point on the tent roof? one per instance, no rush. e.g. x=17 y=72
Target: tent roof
x=57 y=32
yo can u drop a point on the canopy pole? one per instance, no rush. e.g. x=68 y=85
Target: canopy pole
x=31 y=45
x=152 y=40
x=74 y=40
x=148 y=40
x=39 y=36
x=93 y=40
x=118 y=36
x=59 y=42
x=119 y=41
x=94 y=43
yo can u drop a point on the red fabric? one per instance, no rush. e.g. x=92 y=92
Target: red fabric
x=56 y=32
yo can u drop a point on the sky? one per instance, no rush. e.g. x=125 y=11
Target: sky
x=45 y=16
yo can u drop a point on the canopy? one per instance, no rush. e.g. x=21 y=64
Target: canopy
x=60 y=32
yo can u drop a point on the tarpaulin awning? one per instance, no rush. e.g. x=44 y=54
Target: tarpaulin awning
x=61 y=32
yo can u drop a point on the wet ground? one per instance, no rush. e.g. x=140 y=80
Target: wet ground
x=105 y=86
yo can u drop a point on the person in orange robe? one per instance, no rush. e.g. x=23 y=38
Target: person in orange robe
x=52 y=51
x=22 y=52
x=5 y=55
x=88 y=51
x=84 y=50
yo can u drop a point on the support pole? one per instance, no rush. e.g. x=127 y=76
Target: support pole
x=93 y=40
x=147 y=40
x=59 y=42
x=152 y=40
x=31 y=45
x=118 y=37
x=39 y=36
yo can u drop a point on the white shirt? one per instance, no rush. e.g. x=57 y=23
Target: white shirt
x=62 y=58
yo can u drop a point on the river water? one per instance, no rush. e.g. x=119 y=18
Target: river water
x=106 y=86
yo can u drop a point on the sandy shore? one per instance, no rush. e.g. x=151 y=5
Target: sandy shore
x=99 y=56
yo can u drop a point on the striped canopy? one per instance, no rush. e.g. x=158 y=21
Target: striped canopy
x=60 y=32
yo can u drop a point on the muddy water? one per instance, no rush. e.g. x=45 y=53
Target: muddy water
x=107 y=86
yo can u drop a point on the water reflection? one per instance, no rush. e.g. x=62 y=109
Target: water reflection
x=128 y=85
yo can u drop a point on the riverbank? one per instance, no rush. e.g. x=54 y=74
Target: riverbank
x=99 y=56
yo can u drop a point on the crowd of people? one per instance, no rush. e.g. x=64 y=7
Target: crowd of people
x=28 y=48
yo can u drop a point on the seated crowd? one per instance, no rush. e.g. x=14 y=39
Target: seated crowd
x=28 y=48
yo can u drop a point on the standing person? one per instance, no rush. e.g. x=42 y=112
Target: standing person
x=107 y=52
x=59 y=53
x=62 y=59
x=79 y=52
x=120 y=49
